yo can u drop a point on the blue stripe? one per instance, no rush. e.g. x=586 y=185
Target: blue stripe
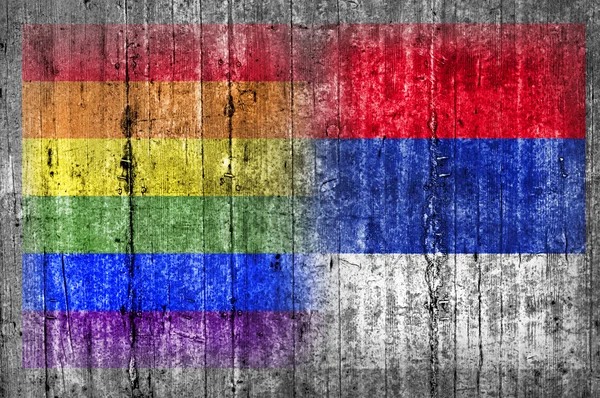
x=176 y=282
x=479 y=196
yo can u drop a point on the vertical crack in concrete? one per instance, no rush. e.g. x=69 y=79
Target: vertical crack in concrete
x=127 y=166
x=66 y=289
x=339 y=234
x=229 y=111
x=205 y=284
x=479 y=331
x=293 y=199
x=128 y=176
x=454 y=216
x=45 y=321
x=433 y=234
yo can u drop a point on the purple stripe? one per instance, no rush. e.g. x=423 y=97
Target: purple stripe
x=91 y=339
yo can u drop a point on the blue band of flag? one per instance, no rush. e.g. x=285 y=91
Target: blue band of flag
x=164 y=282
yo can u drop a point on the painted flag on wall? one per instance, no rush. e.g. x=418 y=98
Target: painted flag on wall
x=179 y=181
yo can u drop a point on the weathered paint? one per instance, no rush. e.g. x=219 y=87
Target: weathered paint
x=367 y=281
x=527 y=80
x=166 y=167
x=196 y=339
x=516 y=326
x=168 y=282
x=159 y=109
x=500 y=196
x=162 y=224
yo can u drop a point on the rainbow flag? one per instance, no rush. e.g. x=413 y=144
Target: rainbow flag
x=183 y=184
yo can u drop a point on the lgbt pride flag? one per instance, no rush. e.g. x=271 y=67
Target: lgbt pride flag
x=177 y=179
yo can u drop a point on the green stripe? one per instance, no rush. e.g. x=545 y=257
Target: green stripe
x=163 y=224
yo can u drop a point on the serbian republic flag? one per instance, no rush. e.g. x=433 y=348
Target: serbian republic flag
x=184 y=186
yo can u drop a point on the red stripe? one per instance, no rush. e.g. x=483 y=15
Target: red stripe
x=395 y=80
x=488 y=81
x=155 y=52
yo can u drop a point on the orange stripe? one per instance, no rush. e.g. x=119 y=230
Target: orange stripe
x=165 y=110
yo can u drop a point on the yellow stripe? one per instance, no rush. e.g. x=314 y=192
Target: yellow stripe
x=166 y=167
